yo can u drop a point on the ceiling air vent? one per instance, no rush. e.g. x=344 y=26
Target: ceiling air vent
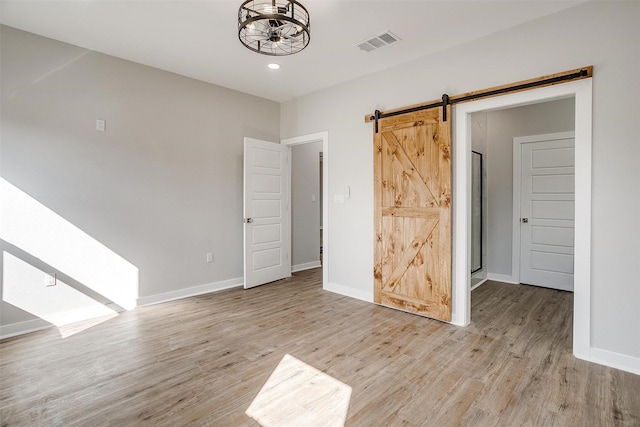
x=381 y=40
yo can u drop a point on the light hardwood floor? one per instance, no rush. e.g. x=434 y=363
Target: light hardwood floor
x=202 y=361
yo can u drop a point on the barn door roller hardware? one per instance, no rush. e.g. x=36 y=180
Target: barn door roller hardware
x=576 y=74
x=445 y=101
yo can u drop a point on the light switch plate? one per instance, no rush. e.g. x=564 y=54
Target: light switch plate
x=50 y=279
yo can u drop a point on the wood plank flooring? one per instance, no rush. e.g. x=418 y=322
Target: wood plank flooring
x=202 y=361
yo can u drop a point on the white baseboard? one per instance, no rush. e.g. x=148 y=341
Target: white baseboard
x=57 y=319
x=20 y=328
x=305 y=266
x=190 y=292
x=348 y=291
x=613 y=360
x=480 y=283
x=14 y=329
x=503 y=278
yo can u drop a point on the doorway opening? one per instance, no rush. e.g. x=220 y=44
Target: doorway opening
x=306 y=199
x=581 y=92
x=545 y=215
x=529 y=234
x=309 y=210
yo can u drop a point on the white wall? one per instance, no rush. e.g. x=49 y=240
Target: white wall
x=160 y=188
x=305 y=212
x=479 y=145
x=502 y=127
x=603 y=34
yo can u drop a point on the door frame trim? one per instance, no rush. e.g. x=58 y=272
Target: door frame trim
x=582 y=92
x=306 y=139
x=517 y=191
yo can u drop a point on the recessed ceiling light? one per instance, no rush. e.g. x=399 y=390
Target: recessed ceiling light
x=273 y=66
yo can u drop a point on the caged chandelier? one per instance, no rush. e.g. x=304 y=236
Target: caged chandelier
x=274 y=27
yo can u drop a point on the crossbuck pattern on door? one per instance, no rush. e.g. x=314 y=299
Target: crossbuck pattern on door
x=412 y=218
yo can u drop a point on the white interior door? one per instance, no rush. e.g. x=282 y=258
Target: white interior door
x=547 y=208
x=266 y=212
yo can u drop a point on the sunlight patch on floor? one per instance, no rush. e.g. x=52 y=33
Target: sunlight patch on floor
x=297 y=394
x=76 y=327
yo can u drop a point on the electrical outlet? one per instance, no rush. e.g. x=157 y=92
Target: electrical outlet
x=50 y=279
x=209 y=256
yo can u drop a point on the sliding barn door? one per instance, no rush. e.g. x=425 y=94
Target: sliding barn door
x=412 y=174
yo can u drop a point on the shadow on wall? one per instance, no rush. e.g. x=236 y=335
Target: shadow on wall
x=91 y=281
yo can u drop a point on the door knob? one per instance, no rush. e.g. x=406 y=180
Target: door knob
x=247 y=220
x=525 y=220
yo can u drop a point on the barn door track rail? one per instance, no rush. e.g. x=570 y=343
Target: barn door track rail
x=576 y=74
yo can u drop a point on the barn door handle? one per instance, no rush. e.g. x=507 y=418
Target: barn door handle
x=524 y=220
x=247 y=220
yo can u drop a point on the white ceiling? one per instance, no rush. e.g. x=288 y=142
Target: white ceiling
x=199 y=38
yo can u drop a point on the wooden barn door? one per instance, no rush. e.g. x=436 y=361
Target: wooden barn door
x=412 y=174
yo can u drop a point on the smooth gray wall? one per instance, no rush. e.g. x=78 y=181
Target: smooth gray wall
x=502 y=127
x=603 y=34
x=479 y=145
x=305 y=213
x=161 y=187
